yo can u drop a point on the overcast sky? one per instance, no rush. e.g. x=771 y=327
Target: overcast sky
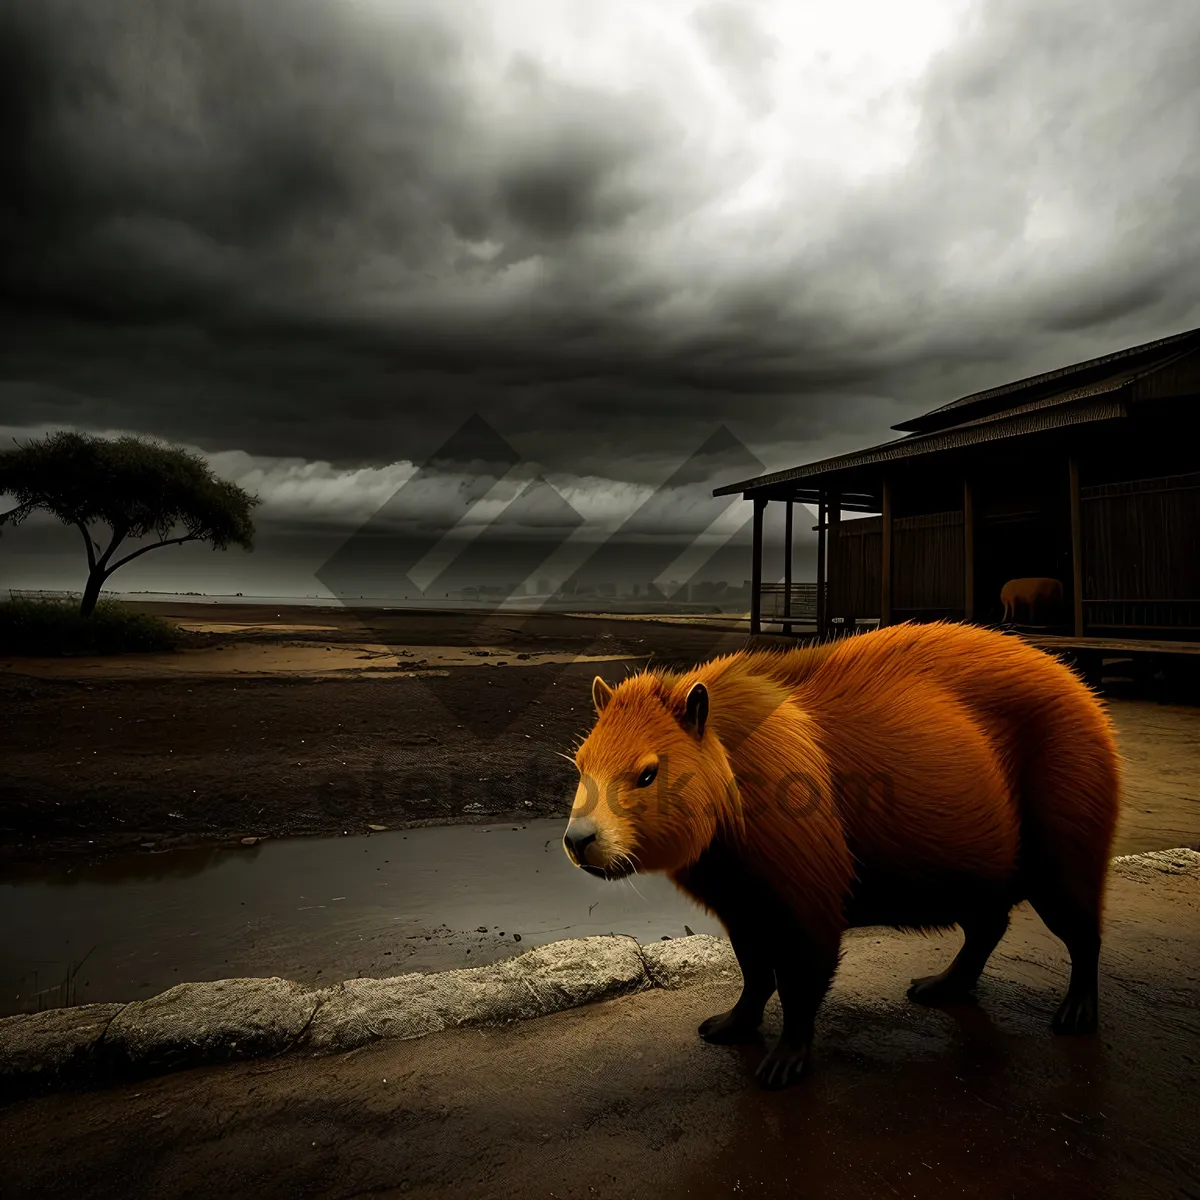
x=313 y=237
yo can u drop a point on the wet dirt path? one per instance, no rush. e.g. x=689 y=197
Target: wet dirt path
x=621 y=1100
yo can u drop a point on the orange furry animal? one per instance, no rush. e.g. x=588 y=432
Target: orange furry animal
x=920 y=776
x=1031 y=594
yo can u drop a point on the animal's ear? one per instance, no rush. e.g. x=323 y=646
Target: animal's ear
x=695 y=709
x=601 y=694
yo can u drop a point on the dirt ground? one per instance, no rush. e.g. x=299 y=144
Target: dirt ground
x=247 y=733
x=622 y=1100
x=104 y=755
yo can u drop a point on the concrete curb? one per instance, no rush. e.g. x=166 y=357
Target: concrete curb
x=542 y=981
x=1142 y=868
x=197 y=1024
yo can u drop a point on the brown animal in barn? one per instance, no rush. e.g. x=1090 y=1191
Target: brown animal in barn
x=1033 y=594
x=920 y=776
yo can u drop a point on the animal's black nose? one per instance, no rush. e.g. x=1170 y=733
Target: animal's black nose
x=579 y=836
x=577 y=847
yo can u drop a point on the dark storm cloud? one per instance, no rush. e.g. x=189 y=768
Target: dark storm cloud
x=333 y=232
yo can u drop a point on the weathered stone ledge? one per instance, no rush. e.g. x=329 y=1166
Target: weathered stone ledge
x=196 y=1024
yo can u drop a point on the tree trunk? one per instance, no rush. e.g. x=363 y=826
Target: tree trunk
x=91 y=593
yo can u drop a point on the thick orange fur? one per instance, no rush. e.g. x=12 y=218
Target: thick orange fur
x=906 y=776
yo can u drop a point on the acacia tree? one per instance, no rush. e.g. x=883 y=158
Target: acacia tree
x=135 y=486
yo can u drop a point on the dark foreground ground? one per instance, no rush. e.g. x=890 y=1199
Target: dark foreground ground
x=91 y=765
x=622 y=1099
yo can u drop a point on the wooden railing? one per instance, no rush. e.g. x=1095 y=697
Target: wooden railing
x=1142 y=614
x=777 y=611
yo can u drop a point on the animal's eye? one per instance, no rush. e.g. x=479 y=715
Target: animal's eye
x=646 y=778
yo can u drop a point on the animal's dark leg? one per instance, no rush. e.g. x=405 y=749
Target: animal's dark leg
x=1079 y=1012
x=803 y=971
x=773 y=950
x=741 y=1022
x=981 y=934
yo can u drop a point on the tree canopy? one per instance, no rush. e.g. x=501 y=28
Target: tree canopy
x=135 y=486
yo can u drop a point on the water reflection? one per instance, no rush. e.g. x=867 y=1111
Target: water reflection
x=313 y=909
x=128 y=868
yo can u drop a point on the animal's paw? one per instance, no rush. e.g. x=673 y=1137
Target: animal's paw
x=729 y=1028
x=936 y=990
x=783 y=1065
x=1077 y=1014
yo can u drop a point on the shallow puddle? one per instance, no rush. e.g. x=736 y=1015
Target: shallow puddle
x=313 y=909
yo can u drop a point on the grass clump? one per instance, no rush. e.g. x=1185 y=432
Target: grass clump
x=54 y=627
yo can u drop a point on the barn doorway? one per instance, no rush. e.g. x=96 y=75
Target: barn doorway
x=1020 y=545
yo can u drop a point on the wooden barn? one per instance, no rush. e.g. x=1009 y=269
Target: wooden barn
x=1089 y=475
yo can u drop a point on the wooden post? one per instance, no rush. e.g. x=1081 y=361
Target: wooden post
x=787 y=568
x=831 y=553
x=968 y=552
x=821 y=563
x=885 y=591
x=1076 y=548
x=756 y=568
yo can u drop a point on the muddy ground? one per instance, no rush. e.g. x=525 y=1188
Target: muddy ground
x=241 y=735
x=101 y=756
x=621 y=1100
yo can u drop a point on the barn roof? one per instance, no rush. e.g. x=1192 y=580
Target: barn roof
x=1136 y=359
x=1098 y=390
